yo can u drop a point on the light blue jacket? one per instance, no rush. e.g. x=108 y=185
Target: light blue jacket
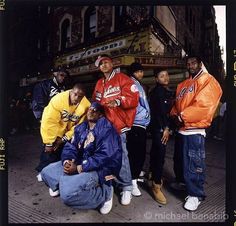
x=142 y=117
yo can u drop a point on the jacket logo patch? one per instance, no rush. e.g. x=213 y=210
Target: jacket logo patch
x=182 y=92
x=90 y=139
x=66 y=116
x=53 y=91
x=191 y=88
x=134 y=88
x=111 y=91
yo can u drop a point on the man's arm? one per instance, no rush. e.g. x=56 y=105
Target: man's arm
x=129 y=96
x=40 y=100
x=49 y=124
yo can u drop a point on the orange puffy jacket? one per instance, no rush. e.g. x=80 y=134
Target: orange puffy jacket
x=196 y=101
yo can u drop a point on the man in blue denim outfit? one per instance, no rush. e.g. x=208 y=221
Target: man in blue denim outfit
x=88 y=163
x=196 y=100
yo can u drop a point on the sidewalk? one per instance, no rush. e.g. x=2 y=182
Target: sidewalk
x=29 y=201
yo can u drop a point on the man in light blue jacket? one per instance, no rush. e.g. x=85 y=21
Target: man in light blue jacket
x=136 y=137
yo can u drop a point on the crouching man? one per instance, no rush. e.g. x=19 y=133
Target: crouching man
x=88 y=163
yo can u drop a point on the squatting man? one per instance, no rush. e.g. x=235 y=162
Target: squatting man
x=88 y=164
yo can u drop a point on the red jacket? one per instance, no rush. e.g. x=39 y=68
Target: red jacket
x=121 y=88
x=196 y=100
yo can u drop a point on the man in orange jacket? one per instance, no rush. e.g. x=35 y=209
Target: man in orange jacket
x=196 y=101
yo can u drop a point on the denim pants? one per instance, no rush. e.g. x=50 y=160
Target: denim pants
x=194 y=164
x=81 y=191
x=124 y=179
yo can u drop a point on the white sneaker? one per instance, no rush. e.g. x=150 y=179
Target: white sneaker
x=135 y=190
x=126 y=197
x=39 y=177
x=53 y=193
x=191 y=203
x=107 y=206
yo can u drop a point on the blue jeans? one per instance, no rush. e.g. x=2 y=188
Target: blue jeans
x=194 y=164
x=124 y=179
x=81 y=191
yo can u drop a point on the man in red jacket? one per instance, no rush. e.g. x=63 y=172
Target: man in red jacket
x=119 y=96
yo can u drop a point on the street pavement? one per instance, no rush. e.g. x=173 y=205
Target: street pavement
x=29 y=200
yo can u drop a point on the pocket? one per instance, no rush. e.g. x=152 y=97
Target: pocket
x=91 y=182
x=196 y=155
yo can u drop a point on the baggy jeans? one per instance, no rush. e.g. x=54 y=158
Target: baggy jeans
x=194 y=164
x=81 y=191
x=124 y=178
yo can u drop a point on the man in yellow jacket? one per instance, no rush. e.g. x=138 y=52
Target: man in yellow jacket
x=64 y=111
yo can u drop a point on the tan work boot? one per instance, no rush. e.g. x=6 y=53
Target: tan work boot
x=158 y=195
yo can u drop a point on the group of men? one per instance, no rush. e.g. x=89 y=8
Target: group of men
x=90 y=147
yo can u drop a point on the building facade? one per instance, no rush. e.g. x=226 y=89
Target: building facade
x=156 y=36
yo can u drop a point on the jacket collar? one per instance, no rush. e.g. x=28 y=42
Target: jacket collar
x=197 y=75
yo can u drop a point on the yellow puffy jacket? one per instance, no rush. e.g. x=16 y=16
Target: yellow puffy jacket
x=59 y=118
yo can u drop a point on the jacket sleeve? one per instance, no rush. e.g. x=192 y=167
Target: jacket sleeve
x=39 y=101
x=94 y=97
x=107 y=147
x=129 y=93
x=205 y=103
x=70 y=152
x=144 y=104
x=50 y=122
x=71 y=149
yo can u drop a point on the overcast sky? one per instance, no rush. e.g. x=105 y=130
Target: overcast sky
x=221 y=26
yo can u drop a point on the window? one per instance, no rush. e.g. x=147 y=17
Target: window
x=65 y=34
x=90 y=23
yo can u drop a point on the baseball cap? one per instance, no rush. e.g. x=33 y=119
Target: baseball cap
x=100 y=58
x=97 y=106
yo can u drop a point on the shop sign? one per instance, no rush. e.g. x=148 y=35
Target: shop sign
x=97 y=50
x=158 y=61
x=118 y=47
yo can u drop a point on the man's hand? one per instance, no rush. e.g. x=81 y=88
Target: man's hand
x=176 y=121
x=79 y=168
x=58 y=142
x=111 y=104
x=165 y=136
x=70 y=167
